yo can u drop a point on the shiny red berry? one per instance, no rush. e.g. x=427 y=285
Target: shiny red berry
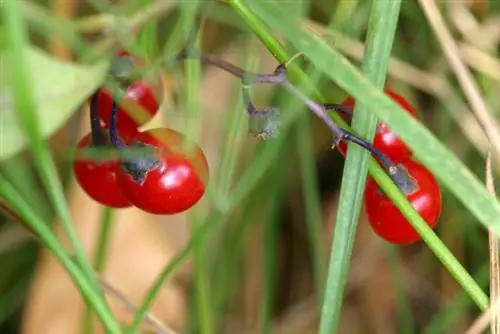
x=424 y=194
x=386 y=140
x=140 y=96
x=166 y=179
x=137 y=107
x=98 y=177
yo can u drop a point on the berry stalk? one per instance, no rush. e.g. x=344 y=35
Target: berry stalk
x=398 y=175
x=97 y=134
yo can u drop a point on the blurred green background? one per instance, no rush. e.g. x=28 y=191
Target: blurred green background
x=256 y=271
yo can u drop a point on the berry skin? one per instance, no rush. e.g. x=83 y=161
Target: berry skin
x=137 y=107
x=140 y=96
x=98 y=178
x=386 y=140
x=386 y=220
x=168 y=181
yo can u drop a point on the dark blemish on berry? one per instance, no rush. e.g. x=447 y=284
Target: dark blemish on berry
x=138 y=167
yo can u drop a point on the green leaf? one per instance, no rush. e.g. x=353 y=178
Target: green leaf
x=59 y=88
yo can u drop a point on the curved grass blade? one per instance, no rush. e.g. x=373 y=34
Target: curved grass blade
x=48 y=239
x=28 y=119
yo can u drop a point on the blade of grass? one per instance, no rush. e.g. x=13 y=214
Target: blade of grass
x=452 y=312
x=271 y=234
x=381 y=28
x=312 y=202
x=404 y=314
x=212 y=222
x=19 y=174
x=433 y=154
x=25 y=106
x=99 y=258
x=92 y=297
x=202 y=296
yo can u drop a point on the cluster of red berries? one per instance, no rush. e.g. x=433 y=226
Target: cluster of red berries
x=170 y=175
x=157 y=170
x=423 y=192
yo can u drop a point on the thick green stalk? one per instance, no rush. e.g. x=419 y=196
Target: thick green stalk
x=99 y=258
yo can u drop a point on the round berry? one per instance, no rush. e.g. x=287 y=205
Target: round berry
x=424 y=195
x=386 y=140
x=137 y=106
x=168 y=178
x=98 y=177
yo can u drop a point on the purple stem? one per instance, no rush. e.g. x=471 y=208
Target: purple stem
x=247 y=77
x=247 y=99
x=279 y=78
x=113 y=128
x=97 y=134
x=339 y=108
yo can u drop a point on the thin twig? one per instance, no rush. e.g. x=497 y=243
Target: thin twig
x=491 y=315
x=494 y=259
x=464 y=76
x=150 y=318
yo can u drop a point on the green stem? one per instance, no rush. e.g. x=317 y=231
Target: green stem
x=271 y=236
x=25 y=106
x=179 y=259
x=404 y=311
x=203 y=294
x=389 y=188
x=100 y=257
x=92 y=297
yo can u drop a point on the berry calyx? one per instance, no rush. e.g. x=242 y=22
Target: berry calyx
x=385 y=139
x=168 y=178
x=97 y=176
x=422 y=191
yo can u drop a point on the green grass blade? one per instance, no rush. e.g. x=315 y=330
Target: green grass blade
x=404 y=315
x=100 y=257
x=19 y=174
x=382 y=26
x=456 y=308
x=437 y=158
x=49 y=240
x=211 y=223
x=25 y=106
x=271 y=237
x=312 y=202
x=203 y=294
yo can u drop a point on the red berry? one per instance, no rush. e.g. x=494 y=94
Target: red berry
x=98 y=178
x=385 y=218
x=168 y=182
x=386 y=140
x=137 y=107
